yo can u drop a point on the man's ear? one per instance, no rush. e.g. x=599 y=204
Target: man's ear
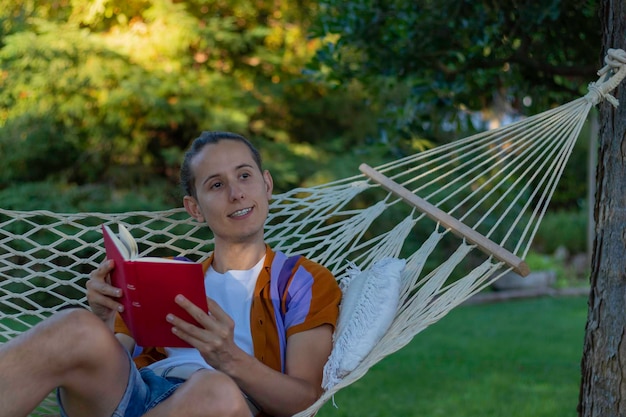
x=269 y=183
x=192 y=207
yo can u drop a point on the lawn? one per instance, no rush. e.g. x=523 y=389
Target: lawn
x=514 y=359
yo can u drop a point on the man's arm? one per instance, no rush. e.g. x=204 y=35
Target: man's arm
x=286 y=394
x=275 y=393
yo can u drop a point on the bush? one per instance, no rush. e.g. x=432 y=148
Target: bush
x=567 y=229
x=57 y=197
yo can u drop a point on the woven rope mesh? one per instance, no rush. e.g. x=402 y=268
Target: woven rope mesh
x=45 y=257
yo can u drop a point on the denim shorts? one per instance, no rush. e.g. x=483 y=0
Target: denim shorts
x=144 y=391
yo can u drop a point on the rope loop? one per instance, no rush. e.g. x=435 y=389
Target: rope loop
x=611 y=75
x=614 y=59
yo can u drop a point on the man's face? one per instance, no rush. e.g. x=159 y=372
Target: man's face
x=232 y=194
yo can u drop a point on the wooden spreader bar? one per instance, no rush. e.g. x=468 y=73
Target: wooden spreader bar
x=449 y=222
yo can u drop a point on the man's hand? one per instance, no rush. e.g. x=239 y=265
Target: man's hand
x=102 y=296
x=277 y=394
x=215 y=339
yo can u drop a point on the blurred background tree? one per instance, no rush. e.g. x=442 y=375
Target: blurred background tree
x=102 y=97
x=437 y=67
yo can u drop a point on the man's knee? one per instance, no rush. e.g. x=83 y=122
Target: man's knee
x=79 y=334
x=216 y=394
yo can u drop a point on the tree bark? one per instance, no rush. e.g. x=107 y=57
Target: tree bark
x=603 y=366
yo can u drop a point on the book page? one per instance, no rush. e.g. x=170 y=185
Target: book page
x=156 y=259
x=129 y=241
x=122 y=249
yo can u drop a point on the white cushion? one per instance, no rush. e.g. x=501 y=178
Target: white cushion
x=369 y=304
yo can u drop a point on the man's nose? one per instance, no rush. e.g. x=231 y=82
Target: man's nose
x=236 y=192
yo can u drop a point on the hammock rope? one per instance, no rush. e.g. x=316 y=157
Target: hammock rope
x=496 y=184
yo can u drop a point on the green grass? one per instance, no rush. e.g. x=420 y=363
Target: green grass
x=519 y=358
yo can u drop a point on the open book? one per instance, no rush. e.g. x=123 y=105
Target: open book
x=149 y=286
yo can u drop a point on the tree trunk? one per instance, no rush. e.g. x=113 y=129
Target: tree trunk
x=603 y=386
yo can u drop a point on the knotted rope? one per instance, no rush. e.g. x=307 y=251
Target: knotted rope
x=611 y=75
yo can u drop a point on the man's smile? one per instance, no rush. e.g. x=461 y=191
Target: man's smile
x=240 y=213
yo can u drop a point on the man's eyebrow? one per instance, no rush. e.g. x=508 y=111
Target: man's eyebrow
x=246 y=165
x=210 y=177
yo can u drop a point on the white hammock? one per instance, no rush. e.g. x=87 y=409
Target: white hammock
x=490 y=190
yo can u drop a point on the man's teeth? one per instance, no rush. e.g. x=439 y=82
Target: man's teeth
x=239 y=213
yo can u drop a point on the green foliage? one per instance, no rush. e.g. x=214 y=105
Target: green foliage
x=113 y=92
x=572 y=189
x=60 y=198
x=443 y=59
x=64 y=87
x=563 y=229
x=541 y=262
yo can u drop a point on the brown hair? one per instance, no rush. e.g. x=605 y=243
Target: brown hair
x=187 y=178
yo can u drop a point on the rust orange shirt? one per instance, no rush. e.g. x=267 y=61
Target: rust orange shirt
x=292 y=294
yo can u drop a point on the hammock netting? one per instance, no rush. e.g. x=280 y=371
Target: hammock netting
x=497 y=184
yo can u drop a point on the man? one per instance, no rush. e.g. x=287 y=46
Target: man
x=258 y=348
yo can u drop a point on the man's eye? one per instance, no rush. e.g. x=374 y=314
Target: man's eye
x=245 y=175
x=216 y=185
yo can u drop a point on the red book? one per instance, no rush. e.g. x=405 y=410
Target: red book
x=149 y=286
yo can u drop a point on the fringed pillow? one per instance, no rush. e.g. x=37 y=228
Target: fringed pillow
x=369 y=304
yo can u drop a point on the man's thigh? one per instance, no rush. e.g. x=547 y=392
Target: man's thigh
x=143 y=391
x=206 y=393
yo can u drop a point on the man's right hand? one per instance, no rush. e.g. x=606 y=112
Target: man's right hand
x=102 y=296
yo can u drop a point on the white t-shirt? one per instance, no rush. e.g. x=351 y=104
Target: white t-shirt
x=233 y=292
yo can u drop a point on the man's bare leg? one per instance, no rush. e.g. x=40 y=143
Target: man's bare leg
x=205 y=394
x=73 y=350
